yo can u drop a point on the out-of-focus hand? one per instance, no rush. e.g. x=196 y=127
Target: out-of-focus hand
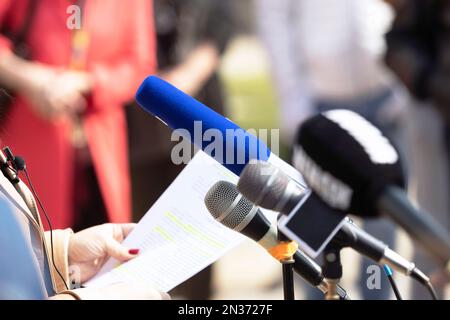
x=122 y=291
x=54 y=94
x=117 y=291
x=440 y=278
x=191 y=75
x=89 y=249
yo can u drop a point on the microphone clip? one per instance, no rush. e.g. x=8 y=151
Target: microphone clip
x=16 y=162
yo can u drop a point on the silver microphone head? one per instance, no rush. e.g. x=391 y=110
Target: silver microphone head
x=267 y=186
x=228 y=206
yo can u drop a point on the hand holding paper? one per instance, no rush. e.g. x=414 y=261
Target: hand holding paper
x=177 y=237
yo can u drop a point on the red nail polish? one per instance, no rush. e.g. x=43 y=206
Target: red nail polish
x=133 y=251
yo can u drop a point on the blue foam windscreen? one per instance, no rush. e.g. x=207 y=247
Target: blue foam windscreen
x=180 y=111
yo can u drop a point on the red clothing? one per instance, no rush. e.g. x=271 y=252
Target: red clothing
x=121 y=54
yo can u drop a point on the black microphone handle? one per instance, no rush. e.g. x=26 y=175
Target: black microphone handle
x=307 y=268
x=310 y=271
x=304 y=266
x=349 y=235
x=419 y=225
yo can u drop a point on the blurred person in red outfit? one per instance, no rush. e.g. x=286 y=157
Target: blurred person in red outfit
x=67 y=118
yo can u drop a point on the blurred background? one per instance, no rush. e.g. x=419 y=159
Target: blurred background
x=253 y=102
x=262 y=63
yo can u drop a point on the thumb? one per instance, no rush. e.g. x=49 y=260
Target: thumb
x=118 y=251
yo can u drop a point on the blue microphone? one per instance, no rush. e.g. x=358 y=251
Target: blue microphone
x=203 y=126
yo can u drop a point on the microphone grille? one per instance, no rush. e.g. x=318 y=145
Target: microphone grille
x=263 y=183
x=253 y=180
x=238 y=214
x=221 y=198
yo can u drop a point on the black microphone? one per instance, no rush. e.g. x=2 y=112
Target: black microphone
x=268 y=187
x=354 y=169
x=234 y=211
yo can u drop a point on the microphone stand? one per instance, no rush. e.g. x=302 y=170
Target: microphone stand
x=332 y=269
x=288 y=272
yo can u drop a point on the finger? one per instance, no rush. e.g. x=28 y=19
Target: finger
x=60 y=102
x=118 y=251
x=78 y=104
x=127 y=228
x=153 y=294
x=42 y=110
x=165 y=296
x=54 y=109
x=46 y=103
x=72 y=102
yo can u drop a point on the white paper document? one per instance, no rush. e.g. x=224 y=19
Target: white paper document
x=177 y=237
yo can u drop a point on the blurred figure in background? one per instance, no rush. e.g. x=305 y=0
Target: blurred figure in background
x=67 y=118
x=419 y=53
x=191 y=37
x=325 y=55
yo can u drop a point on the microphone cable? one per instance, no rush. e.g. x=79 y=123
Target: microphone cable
x=49 y=225
x=17 y=164
x=425 y=281
x=431 y=290
x=416 y=275
x=389 y=274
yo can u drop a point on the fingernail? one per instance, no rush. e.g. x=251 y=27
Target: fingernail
x=133 y=251
x=165 y=296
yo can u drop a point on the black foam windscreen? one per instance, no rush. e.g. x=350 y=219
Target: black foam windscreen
x=347 y=161
x=19 y=163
